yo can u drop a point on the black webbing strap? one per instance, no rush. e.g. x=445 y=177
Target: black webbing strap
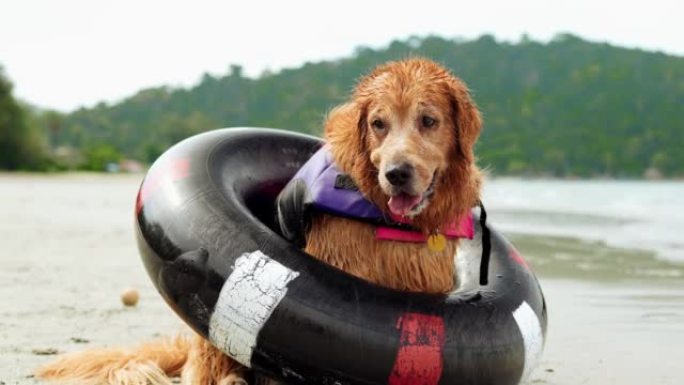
x=486 y=246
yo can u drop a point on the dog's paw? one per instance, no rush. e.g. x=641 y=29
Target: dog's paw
x=233 y=379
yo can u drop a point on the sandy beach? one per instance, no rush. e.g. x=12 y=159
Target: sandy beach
x=616 y=315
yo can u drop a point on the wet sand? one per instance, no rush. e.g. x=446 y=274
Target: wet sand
x=615 y=316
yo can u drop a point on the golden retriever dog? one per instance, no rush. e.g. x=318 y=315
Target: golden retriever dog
x=406 y=140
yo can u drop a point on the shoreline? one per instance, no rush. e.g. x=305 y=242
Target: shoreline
x=488 y=176
x=593 y=261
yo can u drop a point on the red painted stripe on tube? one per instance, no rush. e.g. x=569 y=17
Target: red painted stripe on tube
x=515 y=255
x=419 y=360
x=172 y=170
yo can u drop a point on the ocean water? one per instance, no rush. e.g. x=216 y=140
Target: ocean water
x=642 y=215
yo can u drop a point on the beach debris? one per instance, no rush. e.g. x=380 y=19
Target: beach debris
x=79 y=340
x=130 y=297
x=45 y=351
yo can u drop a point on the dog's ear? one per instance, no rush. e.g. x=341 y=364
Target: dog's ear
x=362 y=121
x=345 y=130
x=466 y=118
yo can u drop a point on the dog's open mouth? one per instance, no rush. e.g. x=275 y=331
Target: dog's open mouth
x=407 y=205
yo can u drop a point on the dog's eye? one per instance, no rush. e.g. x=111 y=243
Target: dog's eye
x=378 y=124
x=428 y=121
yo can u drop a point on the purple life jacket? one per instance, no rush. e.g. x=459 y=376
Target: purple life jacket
x=320 y=186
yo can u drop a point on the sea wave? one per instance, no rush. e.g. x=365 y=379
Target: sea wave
x=640 y=215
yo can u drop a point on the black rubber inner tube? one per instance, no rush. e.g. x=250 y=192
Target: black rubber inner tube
x=207 y=234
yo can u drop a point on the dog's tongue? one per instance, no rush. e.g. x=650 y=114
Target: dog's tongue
x=402 y=204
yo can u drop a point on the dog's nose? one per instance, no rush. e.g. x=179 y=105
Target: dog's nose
x=399 y=175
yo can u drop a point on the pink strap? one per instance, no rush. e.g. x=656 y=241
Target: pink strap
x=390 y=234
x=464 y=229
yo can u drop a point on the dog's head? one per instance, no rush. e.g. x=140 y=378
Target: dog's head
x=407 y=139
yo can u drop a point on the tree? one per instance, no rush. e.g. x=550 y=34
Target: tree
x=21 y=146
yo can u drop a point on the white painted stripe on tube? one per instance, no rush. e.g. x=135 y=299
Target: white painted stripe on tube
x=533 y=338
x=247 y=299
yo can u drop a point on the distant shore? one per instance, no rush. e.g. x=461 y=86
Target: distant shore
x=489 y=176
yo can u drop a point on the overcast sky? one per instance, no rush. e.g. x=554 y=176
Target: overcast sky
x=67 y=53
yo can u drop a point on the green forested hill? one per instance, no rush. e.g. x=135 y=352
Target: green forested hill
x=569 y=107
x=21 y=144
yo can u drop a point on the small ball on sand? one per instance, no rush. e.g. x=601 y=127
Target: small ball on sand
x=130 y=297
